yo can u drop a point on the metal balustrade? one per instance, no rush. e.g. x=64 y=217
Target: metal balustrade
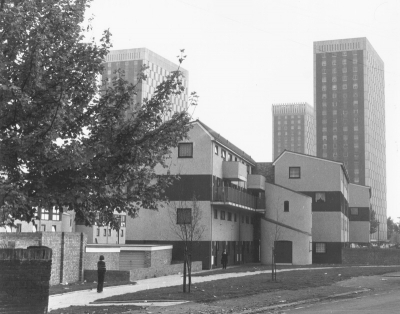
x=231 y=195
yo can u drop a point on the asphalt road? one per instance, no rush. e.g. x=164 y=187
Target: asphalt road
x=379 y=303
x=383 y=298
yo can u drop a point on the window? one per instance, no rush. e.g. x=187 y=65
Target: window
x=355 y=77
x=320 y=247
x=247 y=220
x=229 y=216
x=344 y=70
x=19 y=227
x=230 y=158
x=355 y=69
x=354 y=211
x=334 y=79
x=215 y=214
x=320 y=197
x=44 y=214
x=55 y=214
x=324 y=79
x=43 y=227
x=98 y=232
x=242 y=219
x=123 y=221
x=185 y=150
x=323 y=63
x=334 y=95
x=355 y=86
x=286 y=206
x=122 y=233
x=344 y=78
x=222 y=215
x=344 y=86
x=183 y=216
x=333 y=62
x=223 y=154
x=344 y=61
x=323 y=88
x=105 y=232
x=235 y=217
x=334 y=87
x=216 y=150
x=53 y=228
x=294 y=172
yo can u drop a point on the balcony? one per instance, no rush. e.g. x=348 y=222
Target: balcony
x=234 y=171
x=256 y=182
x=234 y=198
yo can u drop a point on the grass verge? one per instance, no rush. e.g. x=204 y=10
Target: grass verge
x=254 y=284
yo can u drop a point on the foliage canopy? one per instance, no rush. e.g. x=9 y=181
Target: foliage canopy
x=66 y=140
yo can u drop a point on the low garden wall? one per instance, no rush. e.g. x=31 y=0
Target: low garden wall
x=370 y=256
x=24 y=280
x=111 y=275
x=151 y=272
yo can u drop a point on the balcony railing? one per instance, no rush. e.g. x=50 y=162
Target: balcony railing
x=230 y=195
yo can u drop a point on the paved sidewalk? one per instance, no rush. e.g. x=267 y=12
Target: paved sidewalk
x=85 y=297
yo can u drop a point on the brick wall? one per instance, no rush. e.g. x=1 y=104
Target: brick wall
x=159 y=258
x=151 y=272
x=111 y=275
x=373 y=256
x=24 y=276
x=68 y=248
x=21 y=240
x=91 y=259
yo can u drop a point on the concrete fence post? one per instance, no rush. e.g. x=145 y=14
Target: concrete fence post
x=25 y=280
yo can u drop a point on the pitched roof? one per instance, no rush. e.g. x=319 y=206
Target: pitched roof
x=224 y=142
x=314 y=157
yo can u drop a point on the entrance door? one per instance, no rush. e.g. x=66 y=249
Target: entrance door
x=283 y=252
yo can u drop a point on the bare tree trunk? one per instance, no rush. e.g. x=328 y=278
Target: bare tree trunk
x=184 y=273
x=190 y=270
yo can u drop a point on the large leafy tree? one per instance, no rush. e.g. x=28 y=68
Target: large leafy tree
x=65 y=139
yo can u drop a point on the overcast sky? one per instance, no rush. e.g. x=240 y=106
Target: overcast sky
x=243 y=56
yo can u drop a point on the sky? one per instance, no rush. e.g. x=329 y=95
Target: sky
x=245 y=55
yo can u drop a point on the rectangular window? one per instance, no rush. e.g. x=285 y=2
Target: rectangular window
x=223 y=154
x=247 y=220
x=185 y=150
x=53 y=228
x=98 y=232
x=235 y=217
x=354 y=211
x=55 y=214
x=43 y=227
x=105 y=232
x=109 y=232
x=183 y=216
x=286 y=206
x=216 y=150
x=222 y=215
x=44 y=214
x=320 y=247
x=294 y=172
x=320 y=197
x=229 y=216
x=122 y=233
x=242 y=219
x=215 y=214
